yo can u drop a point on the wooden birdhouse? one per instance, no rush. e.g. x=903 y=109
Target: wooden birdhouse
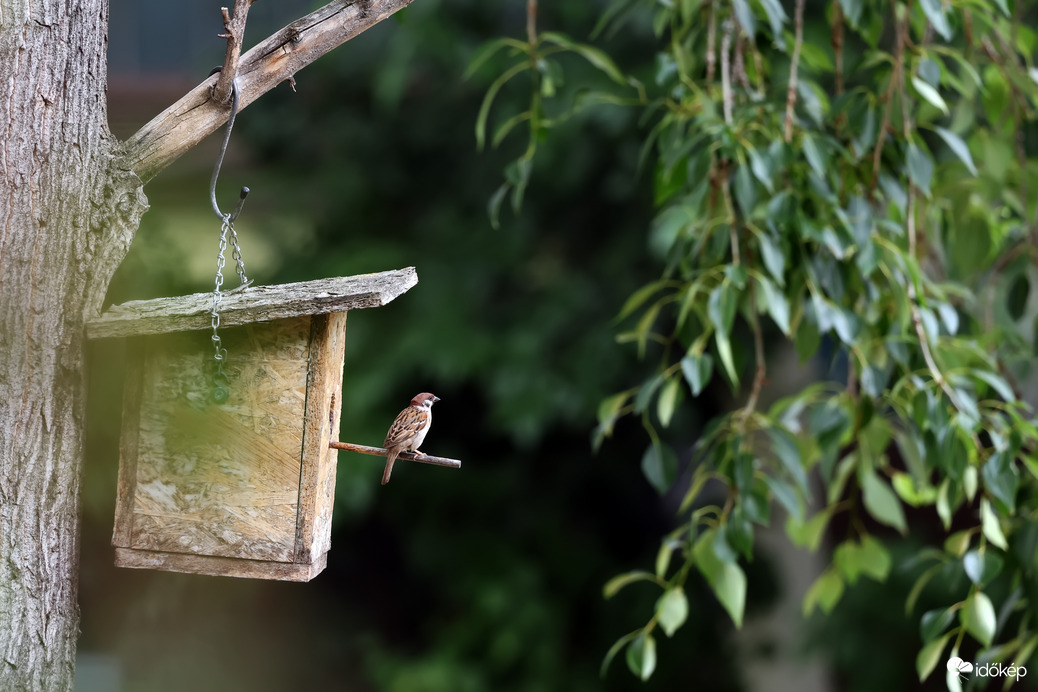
x=240 y=484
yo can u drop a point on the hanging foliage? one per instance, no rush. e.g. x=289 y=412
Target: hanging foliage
x=859 y=180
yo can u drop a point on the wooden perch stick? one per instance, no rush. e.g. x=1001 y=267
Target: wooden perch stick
x=410 y=456
x=234 y=32
x=197 y=115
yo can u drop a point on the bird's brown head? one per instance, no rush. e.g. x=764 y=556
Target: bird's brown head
x=425 y=400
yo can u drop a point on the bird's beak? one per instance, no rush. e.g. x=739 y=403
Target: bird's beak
x=435 y=399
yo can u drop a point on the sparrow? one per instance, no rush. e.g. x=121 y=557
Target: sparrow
x=409 y=429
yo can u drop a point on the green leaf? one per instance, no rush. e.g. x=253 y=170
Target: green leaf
x=978 y=617
x=997 y=383
x=641 y=656
x=639 y=297
x=920 y=168
x=786 y=496
x=934 y=10
x=776 y=303
x=932 y=96
x=785 y=447
x=594 y=56
x=934 y=622
x=745 y=190
x=672 y=610
x=668 y=401
x=745 y=17
x=698 y=368
x=726 y=579
x=990 y=526
x=852 y=11
x=488 y=101
x=759 y=166
x=868 y=557
x=981 y=566
x=615 y=649
x=621 y=580
x=774 y=259
x=825 y=592
x=881 y=502
x=958 y=147
x=943 y=504
x=659 y=465
x=487 y=50
x=667 y=547
x=876 y=560
x=929 y=656
x=668 y=226
x=724 y=351
x=807 y=534
x=721 y=307
x=905 y=487
x=814 y=155
x=776 y=17
x=1001 y=479
x=958 y=543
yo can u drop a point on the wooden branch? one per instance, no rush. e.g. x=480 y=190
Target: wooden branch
x=191 y=119
x=726 y=70
x=234 y=28
x=256 y=304
x=409 y=456
x=791 y=93
x=711 y=43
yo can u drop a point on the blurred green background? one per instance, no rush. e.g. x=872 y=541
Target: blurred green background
x=486 y=578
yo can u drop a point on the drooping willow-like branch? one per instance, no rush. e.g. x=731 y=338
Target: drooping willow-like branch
x=275 y=59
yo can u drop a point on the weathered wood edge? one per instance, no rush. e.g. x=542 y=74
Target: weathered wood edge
x=254 y=304
x=219 y=566
x=317 y=461
x=129 y=444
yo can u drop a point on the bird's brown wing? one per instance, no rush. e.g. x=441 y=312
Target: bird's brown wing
x=405 y=427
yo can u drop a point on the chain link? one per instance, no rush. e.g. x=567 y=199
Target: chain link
x=220 y=390
x=220 y=380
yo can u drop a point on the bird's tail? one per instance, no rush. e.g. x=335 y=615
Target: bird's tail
x=390 y=458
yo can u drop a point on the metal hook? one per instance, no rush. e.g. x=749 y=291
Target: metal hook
x=219 y=161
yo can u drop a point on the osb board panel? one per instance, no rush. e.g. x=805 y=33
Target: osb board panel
x=324 y=404
x=221 y=480
x=219 y=566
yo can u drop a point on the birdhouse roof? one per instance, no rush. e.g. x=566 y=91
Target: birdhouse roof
x=254 y=304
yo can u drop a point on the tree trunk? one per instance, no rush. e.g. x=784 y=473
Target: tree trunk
x=66 y=219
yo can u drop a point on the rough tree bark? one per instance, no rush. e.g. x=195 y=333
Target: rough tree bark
x=70 y=202
x=66 y=219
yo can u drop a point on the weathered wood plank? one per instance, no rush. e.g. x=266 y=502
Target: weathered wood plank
x=321 y=424
x=222 y=478
x=254 y=304
x=219 y=566
x=129 y=443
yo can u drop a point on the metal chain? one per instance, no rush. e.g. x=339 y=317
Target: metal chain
x=221 y=391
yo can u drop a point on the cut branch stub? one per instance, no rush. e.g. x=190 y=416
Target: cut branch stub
x=275 y=59
x=234 y=28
